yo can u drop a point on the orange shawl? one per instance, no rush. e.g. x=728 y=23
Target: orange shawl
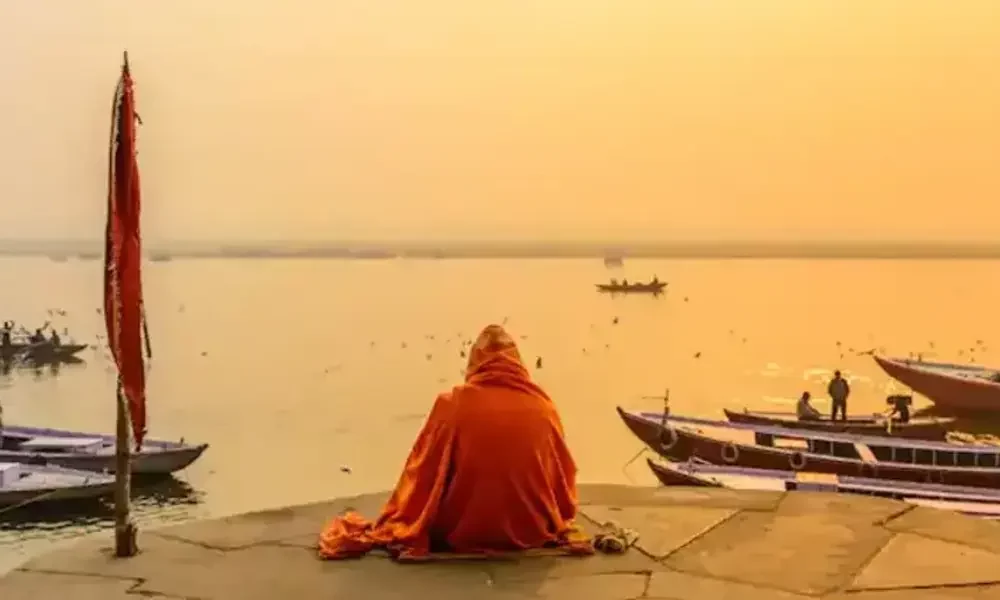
x=489 y=472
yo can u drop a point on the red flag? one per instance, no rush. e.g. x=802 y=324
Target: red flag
x=123 y=255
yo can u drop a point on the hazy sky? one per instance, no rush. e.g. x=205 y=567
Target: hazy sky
x=509 y=118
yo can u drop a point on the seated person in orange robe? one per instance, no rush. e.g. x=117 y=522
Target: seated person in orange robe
x=489 y=472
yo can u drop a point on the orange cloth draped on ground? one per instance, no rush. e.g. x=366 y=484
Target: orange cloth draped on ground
x=489 y=472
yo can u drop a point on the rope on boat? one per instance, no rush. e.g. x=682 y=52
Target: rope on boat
x=797 y=461
x=730 y=453
x=667 y=445
x=616 y=541
x=666 y=429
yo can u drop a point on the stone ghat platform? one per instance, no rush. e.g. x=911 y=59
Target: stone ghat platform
x=694 y=543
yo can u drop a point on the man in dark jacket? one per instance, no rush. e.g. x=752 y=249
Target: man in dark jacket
x=839 y=391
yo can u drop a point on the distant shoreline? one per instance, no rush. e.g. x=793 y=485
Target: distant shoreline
x=524 y=250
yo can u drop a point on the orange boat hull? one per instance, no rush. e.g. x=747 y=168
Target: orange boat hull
x=946 y=389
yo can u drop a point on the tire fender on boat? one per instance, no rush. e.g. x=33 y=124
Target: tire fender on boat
x=668 y=438
x=730 y=453
x=797 y=461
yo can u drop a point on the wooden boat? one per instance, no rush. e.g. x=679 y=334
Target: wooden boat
x=957 y=387
x=920 y=428
x=653 y=287
x=41 y=351
x=91 y=451
x=20 y=483
x=780 y=448
x=969 y=500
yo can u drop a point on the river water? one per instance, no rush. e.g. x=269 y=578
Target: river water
x=291 y=369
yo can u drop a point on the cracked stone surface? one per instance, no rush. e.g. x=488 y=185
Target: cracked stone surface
x=693 y=543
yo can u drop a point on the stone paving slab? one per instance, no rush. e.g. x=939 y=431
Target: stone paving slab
x=693 y=543
x=910 y=560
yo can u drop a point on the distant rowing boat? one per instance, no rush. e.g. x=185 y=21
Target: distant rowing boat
x=41 y=351
x=654 y=287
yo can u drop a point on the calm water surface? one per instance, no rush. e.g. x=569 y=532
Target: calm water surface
x=291 y=369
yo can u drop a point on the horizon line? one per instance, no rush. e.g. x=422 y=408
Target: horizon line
x=335 y=243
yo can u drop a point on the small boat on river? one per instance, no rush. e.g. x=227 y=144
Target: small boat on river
x=91 y=451
x=21 y=484
x=917 y=428
x=951 y=386
x=615 y=287
x=968 y=500
x=782 y=448
x=44 y=352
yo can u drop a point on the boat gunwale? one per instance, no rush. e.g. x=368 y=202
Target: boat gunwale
x=941 y=372
x=856 y=421
x=933 y=365
x=923 y=489
x=813 y=434
x=149 y=446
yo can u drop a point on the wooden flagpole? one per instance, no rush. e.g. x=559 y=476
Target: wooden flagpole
x=125 y=530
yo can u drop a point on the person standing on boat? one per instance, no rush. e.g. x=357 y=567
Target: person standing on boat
x=839 y=390
x=54 y=339
x=805 y=410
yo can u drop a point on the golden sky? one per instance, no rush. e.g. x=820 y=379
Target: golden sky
x=509 y=119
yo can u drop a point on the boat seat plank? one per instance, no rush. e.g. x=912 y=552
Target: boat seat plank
x=865 y=453
x=9 y=473
x=812 y=477
x=42 y=443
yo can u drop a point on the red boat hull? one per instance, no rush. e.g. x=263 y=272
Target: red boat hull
x=948 y=390
x=678 y=443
